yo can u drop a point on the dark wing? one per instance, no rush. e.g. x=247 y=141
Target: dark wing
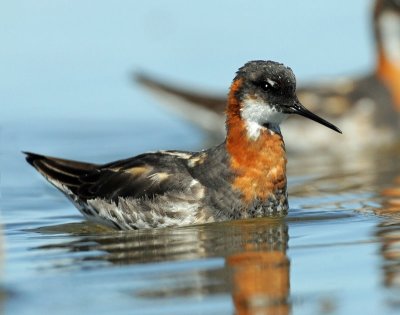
x=202 y=109
x=144 y=175
x=65 y=172
x=215 y=104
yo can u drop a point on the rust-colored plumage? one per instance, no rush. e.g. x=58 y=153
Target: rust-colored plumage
x=389 y=72
x=260 y=164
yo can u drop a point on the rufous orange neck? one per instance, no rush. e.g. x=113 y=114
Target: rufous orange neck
x=390 y=75
x=259 y=164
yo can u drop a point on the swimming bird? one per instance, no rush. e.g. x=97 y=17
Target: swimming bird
x=243 y=177
x=367 y=107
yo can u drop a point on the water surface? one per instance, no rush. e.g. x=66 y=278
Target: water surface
x=337 y=251
x=67 y=91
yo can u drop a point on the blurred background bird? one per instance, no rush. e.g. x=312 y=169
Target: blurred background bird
x=366 y=107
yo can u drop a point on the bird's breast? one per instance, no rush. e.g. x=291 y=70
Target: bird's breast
x=259 y=165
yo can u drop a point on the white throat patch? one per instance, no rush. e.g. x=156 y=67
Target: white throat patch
x=256 y=114
x=389 y=26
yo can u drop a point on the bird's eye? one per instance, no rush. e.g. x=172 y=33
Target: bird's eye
x=269 y=85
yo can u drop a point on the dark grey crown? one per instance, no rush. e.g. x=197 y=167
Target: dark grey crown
x=270 y=81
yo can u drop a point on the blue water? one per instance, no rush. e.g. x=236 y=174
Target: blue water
x=66 y=90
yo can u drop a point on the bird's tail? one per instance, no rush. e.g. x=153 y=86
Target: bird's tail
x=63 y=174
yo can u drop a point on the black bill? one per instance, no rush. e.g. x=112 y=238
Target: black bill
x=299 y=109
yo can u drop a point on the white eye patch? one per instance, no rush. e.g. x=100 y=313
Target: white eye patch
x=256 y=113
x=271 y=83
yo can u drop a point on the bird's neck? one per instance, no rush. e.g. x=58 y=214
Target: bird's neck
x=258 y=162
x=389 y=73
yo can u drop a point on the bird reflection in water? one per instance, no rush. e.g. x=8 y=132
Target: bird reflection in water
x=388 y=233
x=254 y=271
x=260 y=282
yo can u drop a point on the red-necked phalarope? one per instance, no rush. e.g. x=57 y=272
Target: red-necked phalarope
x=243 y=177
